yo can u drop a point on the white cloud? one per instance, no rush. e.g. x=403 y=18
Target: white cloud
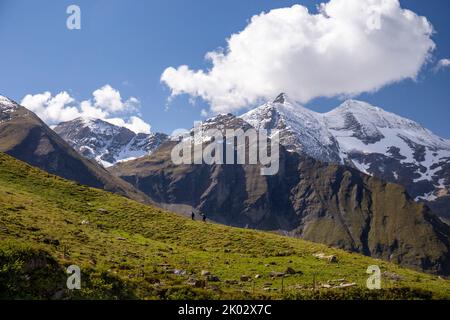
x=106 y=104
x=91 y=111
x=50 y=108
x=204 y=113
x=135 y=124
x=348 y=47
x=110 y=100
x=442 y=64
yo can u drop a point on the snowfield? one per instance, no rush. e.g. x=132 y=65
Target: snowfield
x=374 y=141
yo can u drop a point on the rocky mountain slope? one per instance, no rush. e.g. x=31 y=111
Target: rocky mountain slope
x=107 y=143
x=368 y=138
x=127 y=250
x=357 y=134
x=310 y=199
x=24 y=136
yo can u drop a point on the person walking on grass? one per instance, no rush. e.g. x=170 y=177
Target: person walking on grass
x=204 y=217
x=193 y=216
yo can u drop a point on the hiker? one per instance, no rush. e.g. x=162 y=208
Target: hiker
x=204 y=217
x=193 y=216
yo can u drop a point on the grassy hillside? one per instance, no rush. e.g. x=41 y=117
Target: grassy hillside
x=25 y=136
x=334 y=205
x=129 y=250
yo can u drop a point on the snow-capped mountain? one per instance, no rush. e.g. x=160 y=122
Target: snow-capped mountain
x=7 y=107
x=106 y=143
x=24 y=136
x=301 y=130
x=375 y=141
x=391 y=147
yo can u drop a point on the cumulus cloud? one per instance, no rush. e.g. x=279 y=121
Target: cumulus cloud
x=110 y=100
x=442 y=64
x=135 y=124
x=346 y=48
x=204 y=113
x=52 y=109
x=106 y=104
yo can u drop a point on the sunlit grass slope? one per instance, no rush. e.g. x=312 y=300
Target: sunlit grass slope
x=127 y=250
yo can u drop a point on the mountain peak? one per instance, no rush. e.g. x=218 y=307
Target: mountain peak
x=6 y=102
x=87 y=120
x=95 y=125
x=368 y=115
x=7 y=108
x=281 y=98
x=353 y=104
x=2 y=98
x=105 y=142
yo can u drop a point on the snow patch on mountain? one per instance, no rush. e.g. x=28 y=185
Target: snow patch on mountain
x=300 y=129
x=107 y=143
x=7 y=109
x=7 y=105
x=374 y=141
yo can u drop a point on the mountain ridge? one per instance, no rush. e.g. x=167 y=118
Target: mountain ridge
x=107 y=143
x=26 y=137
x=366 y=137
x=355 y=133
x=325 y=203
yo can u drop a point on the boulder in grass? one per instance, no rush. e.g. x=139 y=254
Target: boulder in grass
x=275 y=274
x=213 y=278
x=205 y=273
x=245 y=278
x=102 y=211
x=392 y=276
x=329 y=258
x=290 y=271
x=179 y=272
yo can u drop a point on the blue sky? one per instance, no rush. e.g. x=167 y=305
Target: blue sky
x=128 y=45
